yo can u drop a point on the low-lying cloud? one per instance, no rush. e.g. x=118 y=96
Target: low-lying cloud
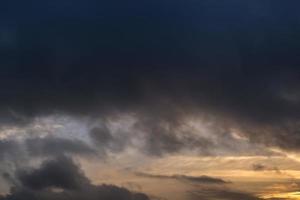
x=192 y=179
x=61 y=178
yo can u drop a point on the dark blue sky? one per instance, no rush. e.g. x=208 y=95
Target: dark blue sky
x=72 y=55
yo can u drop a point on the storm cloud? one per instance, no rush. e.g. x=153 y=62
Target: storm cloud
x=160 y=59
x=80 y=65
x=147 y=79
x=62 y=173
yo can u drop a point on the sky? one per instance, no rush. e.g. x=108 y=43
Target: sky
x=149 y=100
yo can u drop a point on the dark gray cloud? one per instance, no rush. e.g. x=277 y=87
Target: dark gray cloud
x=157 y=136
x=62 y=173
x=53 y=146
x=161 y=136
x=169 y=134
x=8 y=149
x=194 y=179
x=105 y=141
x=163 y=60
x=17 y=153
x=108 y=192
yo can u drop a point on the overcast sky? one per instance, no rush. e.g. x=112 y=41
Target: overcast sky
x=149 y=100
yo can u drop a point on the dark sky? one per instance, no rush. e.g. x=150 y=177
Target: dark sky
x=163 y=60
x=89 y=57
x=70 y=55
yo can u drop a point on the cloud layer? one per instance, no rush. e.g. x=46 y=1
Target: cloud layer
x=160 y=60
x=148 y=78
x=193 y=179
